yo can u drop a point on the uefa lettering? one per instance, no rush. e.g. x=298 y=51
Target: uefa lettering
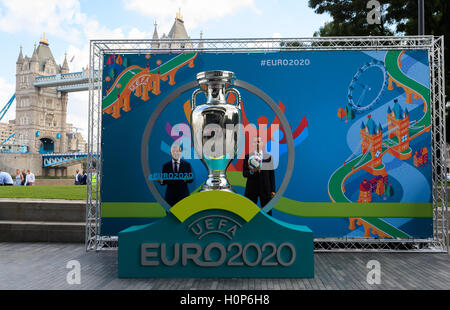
x=235 y=254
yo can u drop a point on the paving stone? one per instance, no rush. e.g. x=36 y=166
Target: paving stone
x=43 y=266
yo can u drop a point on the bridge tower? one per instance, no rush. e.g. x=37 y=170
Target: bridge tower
x=372 y=141
x=398 y=121
x=178 y=31
x=40 y=112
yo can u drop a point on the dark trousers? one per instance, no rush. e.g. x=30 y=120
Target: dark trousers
x=263 y=200
x=173 y=200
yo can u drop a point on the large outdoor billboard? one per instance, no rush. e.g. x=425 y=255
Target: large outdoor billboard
x=360 y=121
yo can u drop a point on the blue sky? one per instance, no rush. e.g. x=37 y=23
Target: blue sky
x=70 y=24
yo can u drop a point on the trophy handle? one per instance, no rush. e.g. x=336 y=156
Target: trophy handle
x=194 y=95
x=237 y=93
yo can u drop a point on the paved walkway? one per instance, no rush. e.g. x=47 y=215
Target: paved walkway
x=43 y=266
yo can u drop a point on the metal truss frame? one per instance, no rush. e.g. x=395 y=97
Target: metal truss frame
x=435 y=47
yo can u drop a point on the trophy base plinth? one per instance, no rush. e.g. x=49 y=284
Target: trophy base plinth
x=217 y=183
x=206 y=188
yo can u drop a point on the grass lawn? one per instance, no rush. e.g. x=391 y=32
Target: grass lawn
x=69 y=192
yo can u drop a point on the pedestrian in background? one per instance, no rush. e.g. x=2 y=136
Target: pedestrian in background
x=24 y=177
x=84 y=178
x=29 y=181
x=93 y=177
x=77 y=177
x=5 y=179
x=19 y=178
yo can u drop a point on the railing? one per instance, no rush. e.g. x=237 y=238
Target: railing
x=54 y=159
x=76 y=87
x=63 y=154
x=13 y=148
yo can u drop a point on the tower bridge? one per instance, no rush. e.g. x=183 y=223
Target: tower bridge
x=40 y=138
x=40 y=127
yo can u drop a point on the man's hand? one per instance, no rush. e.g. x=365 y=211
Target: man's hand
x=273 y=194
x=254 y=170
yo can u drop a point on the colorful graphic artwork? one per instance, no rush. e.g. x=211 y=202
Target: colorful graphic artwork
x=360 y=122
x=139 y=81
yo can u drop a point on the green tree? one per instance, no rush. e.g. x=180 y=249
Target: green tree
x=349 y=18
x=291 y=44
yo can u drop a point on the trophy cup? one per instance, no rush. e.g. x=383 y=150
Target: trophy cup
x=216 y=126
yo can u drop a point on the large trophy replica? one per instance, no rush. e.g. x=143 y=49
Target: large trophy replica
x=216 y=126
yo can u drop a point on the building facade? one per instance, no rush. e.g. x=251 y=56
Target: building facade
x=6 y=130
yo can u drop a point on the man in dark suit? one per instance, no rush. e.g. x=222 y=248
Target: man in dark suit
x=260 y=181
x=83 y=178
x=177 y=188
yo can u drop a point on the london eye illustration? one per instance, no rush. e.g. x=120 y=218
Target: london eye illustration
x=366 y=88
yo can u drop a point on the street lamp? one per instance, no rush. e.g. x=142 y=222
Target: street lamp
x=421 y=5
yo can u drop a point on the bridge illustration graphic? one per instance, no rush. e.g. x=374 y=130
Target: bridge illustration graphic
x=390 y=144
x=141 y=81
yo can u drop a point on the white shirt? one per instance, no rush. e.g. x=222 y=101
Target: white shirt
x=29 y=178
x=174 y=167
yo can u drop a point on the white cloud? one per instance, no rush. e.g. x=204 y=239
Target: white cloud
x=54 y=17
x=194 y=12
x=137 y=34
x=93 y=30
x=77 y=58
x=63 y=19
